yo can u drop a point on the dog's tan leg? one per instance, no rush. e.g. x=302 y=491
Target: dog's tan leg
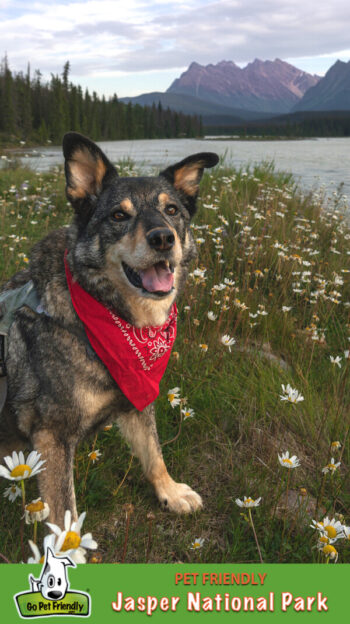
x=56 y=482
x=139 y=429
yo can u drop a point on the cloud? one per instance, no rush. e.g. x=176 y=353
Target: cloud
x=137 y=36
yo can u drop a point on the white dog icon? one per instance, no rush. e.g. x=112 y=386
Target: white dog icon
x=53 y=582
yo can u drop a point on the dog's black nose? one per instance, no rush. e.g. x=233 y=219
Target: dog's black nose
x=161 y=239
x=54 y=594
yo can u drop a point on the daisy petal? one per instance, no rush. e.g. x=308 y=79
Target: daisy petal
x=9 y=462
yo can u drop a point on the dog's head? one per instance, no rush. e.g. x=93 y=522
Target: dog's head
x=53 y=582
x=131 y=243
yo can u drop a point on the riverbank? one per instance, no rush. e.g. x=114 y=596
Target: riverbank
x=266 y=305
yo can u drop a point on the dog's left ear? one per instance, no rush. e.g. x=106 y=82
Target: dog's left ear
x=87 y=168
x=186 y=175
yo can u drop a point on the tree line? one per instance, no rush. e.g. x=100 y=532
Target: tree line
x=36 y=111
x=300 y=125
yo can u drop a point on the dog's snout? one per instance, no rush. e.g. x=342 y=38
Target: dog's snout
x=161 y=239
x=54 y=594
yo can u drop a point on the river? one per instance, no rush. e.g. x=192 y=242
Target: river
x=314 y=162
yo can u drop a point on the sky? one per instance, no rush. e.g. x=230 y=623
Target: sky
x=131 y=47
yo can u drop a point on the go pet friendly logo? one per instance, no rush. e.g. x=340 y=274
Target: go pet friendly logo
x=49 y=594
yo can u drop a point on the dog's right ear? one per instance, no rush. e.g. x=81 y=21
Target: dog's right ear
x=86 y=167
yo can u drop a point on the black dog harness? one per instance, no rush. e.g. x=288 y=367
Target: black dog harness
x=10 y=301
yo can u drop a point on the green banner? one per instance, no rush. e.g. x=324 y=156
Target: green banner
x=162 y=593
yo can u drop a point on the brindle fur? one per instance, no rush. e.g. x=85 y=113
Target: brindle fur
x=58 y=391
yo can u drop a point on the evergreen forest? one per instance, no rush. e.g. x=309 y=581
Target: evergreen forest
x=36 y=111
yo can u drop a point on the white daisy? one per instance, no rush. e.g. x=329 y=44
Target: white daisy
x=228 y=341
x=12 y=492
x=330 y=552
x=71 y=540
x=20 y=468
x=248 y=502
x=330 y=529
x=36 y=511
x=174 y=397
x=198 y=543
x=331 y=467
x=187 y=413
x=290 y=394
x=212 y=316
x=288 y=462
x=95 y=455
x=335 y=360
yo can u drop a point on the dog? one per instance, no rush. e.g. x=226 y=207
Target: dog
x=53 y=581
x=127 y=252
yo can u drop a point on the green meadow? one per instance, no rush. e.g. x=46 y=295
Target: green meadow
x=267 y=303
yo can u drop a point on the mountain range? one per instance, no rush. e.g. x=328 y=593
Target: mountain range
x=260 y=90
x=262 y=86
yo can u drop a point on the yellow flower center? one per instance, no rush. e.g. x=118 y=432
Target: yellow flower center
x=93 y=455
x=329 y=550
x=19 y=470
x=171 y=397
x=249 y=500
x=324 y=539
x=330 y=530
x=42 y=559
x=38 y=506
x=287 y=461
x=72 y=540
x=196 y=545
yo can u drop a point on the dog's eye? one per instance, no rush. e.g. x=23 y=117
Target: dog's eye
x=119 y=215
x=171 y=210
x=51 y=580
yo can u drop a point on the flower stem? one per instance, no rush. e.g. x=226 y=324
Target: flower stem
x=22 y=519
x=128 y=515
x=23 y=494
x=115 y=492
x=89 y=462
x=255 y=536
x=178 y=433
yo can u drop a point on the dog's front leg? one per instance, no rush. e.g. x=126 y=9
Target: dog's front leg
x=139 y=429
x=56 y=482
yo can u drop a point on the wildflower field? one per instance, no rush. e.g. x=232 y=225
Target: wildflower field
x=254 y=409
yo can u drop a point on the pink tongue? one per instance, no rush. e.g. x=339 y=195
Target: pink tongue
x=156 y=278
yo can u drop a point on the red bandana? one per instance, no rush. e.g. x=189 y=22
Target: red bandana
x=136 y=358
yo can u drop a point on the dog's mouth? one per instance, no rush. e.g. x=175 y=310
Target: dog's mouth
x=158 y=279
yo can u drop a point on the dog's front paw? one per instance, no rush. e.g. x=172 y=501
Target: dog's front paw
x=178 y=497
